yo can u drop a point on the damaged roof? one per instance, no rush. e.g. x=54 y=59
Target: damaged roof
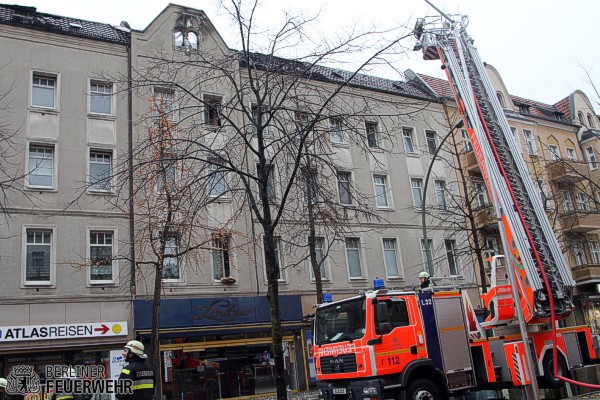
x=30 y=18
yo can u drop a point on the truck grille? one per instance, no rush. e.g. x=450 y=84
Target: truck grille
x=336 y=365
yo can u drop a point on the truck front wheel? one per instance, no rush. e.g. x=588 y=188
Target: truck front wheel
x=423 y=389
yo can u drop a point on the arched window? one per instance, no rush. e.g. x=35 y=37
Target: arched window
x=580 y=116
x=178 y=38
x=591 y=121
x=192 y=40
x=500 y=99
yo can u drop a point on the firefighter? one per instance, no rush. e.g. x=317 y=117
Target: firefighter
x=3 y=385
x=138 y=371
x=425 y=282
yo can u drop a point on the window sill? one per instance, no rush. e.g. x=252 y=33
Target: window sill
x=101 y=193
x=40 y=189
x=216 y=199
x=109 y=117
x=341 y=145
x=376 y=149
x=385 y=209
x=412 y=155
x=102 y=284
x=173 y=282
x=358 y=280
x=38 y=285
x=44 y=110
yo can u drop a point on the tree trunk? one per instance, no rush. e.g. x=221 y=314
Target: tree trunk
x=155 y=339
x=273 y=297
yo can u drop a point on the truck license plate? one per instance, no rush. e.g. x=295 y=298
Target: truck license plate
x=339 y=391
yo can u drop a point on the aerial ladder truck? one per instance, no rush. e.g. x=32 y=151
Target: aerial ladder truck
x=385 y=344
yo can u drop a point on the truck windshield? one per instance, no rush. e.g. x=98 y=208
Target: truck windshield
x=340 y=322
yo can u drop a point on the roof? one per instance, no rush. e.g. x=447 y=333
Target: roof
x=591 y=133
x=536 y=109
x=334 y=75
x=29 y=17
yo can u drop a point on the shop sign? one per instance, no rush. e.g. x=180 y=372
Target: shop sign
x=62 y=331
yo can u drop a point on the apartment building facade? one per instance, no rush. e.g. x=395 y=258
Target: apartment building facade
x=64 y=298
x=84 y=110
x=558 y=144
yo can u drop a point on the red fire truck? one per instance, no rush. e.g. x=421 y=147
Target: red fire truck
x=391 y=344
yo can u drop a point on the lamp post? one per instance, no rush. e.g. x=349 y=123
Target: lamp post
x=458 y=125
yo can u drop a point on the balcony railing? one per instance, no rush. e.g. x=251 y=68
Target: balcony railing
x=567 y=172
x=580 y=221
x=587 y=273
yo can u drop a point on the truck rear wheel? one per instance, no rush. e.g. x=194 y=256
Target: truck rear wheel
x=550 y=380
x=423 y=389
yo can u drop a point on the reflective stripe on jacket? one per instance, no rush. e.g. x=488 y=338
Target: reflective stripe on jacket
x=140 y=374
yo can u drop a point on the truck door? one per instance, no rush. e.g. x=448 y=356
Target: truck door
x=399 y=344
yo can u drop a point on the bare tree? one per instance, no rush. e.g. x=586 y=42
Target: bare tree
x=256 y=119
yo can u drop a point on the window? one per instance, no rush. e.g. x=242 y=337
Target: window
x=372 y=134
x=579 y=254
x=554 y=152
x=451 y=256
x=344 y=187
x=571 y=154
x=100 y=171
x=279 y=261
x=516 y=136
x=212 y=110
x=490 y=247
x=38 y=256
x=43 y=91
x=381 y=191
x=397 y=313
x=431 y=142
x=391 y=258
x=416 y=186
x=582 y=202
x=543 y=193
x=595 y=251
x=310 y=185
x=217 y=186
x=440 y=194
x=302 y=121
x=591 y=158
x=580 y=117
x=591 y=121
x=336 y=134
x=500 y=99
x=530 y=142
x=467 y=145
x=479 y=194
x=41 y=166
x=167 y=175
x=170 y=269
x=320 y=254
x=100 y=98
x=353 y=257
x=165 y=102
x=407 y=135
x=523 y=108
x=271 y=194
x=567 y=202
x=101 y=256
x=424 y=252
x=221 y=257
x=187 y=39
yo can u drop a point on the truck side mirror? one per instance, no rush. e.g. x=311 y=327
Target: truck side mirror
x=382 y=325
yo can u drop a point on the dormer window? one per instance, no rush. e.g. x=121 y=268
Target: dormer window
x=523 y=108
x=501 y=99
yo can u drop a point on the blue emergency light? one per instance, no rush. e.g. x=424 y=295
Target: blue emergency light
x=327 y=298
x=378 y=284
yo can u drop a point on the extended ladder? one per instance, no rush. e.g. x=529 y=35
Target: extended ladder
x=525 y=230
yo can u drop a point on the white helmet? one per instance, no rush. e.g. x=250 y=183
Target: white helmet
x=424 y=274
x=136 y=348
x=3 y=383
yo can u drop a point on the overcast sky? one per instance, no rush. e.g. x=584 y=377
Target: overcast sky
x=540 y=47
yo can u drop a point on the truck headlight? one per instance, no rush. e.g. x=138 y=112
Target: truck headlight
x=369 y=391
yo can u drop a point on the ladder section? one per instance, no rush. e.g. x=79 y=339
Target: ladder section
x=527 y=232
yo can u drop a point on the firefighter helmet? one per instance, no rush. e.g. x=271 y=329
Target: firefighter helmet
x=136 y=348
x=424 y=274
x=3 y=383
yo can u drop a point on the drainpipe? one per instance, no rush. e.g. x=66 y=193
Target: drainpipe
x=130 y=172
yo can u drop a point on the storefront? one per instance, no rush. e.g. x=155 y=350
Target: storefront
x=221 y=347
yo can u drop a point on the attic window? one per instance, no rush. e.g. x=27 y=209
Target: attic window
x=523 y=108
x=558 y=116
x=501 y=99
x=186 y=33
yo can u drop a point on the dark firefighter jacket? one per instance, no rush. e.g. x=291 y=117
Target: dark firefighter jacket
x=142 y=380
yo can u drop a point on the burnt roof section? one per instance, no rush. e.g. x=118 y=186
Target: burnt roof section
x=337 y=76
x=28 y=17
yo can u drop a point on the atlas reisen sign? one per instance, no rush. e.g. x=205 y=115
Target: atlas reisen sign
x=62 y=331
